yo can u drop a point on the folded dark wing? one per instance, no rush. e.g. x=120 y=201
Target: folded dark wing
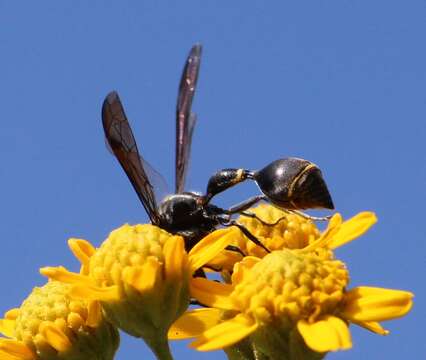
x=185 y=119
x=120 y=138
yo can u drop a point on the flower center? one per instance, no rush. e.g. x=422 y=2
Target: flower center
x=289 y=286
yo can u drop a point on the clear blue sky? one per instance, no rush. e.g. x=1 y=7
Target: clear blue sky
x=341 y=83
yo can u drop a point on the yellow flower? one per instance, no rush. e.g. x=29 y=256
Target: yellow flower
x=50 y=325
x=290 y=231
x=290 y=301
x=141 y=276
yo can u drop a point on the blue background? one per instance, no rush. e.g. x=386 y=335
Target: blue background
x=341 y=83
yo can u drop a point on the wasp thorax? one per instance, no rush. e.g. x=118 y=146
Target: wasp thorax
x=294 y=183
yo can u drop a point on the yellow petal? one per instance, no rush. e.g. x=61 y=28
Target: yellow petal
x=63 y=275
x=353 y=228
x=372 y=326
x=143 y=278
x=91 y=292
x=210 y=246
x=174 y=257
x=16 y=349
x=7 y=327
x=328 y=334
x=83 y=251
x=225 y=334
x=225 y=260
x=55 y=337
x=12 y=314
x=193 y=323
x=211 y=293
x=327 y=236
x=6 y=356
x=242 y=269
x=376 y=304
x=94 y=314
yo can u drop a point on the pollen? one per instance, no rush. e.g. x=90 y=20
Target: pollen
x=290 y=231
x=51 y=325
x=288 y=286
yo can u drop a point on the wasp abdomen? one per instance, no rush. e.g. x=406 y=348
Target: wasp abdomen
x=293 y=183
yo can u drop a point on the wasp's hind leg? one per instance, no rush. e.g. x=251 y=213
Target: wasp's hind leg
x=309 y=217
x=235 y=249
x=263 y=222
x=247 y=233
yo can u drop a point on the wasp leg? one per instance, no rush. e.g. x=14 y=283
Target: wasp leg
x=235 y=249
x=263 y=222
x=236 y=209
x=309 y=217
x=247 y=233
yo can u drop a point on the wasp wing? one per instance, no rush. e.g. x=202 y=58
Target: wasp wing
x=185 y=119
x=120 y=138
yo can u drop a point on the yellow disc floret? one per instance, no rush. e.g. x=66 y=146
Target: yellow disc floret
x=141 y=277
x=291 y=231
x=139 y=260
x=50 y=325
x=289 y=287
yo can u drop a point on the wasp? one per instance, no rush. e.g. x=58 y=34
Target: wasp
x=291 y=184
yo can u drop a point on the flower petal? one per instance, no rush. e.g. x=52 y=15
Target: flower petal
x=7 y=327
x=211 y=293
x=210 y=246
x=63 y=275
x=193 y=323
x=143 y=278
x=91 y=292
x=7 y=356
x=174 y=257
x=376 y=304
x=242 y=269
x=328 y=334
x=12 y=314
x=83 y=251
x=327 y=236
x=94 y=314
x=225 y=334
x=372 y=326
x=353 y=228
x=16 y=349
x=55 y=337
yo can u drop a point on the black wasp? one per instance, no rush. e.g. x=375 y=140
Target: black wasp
x=290 y=184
